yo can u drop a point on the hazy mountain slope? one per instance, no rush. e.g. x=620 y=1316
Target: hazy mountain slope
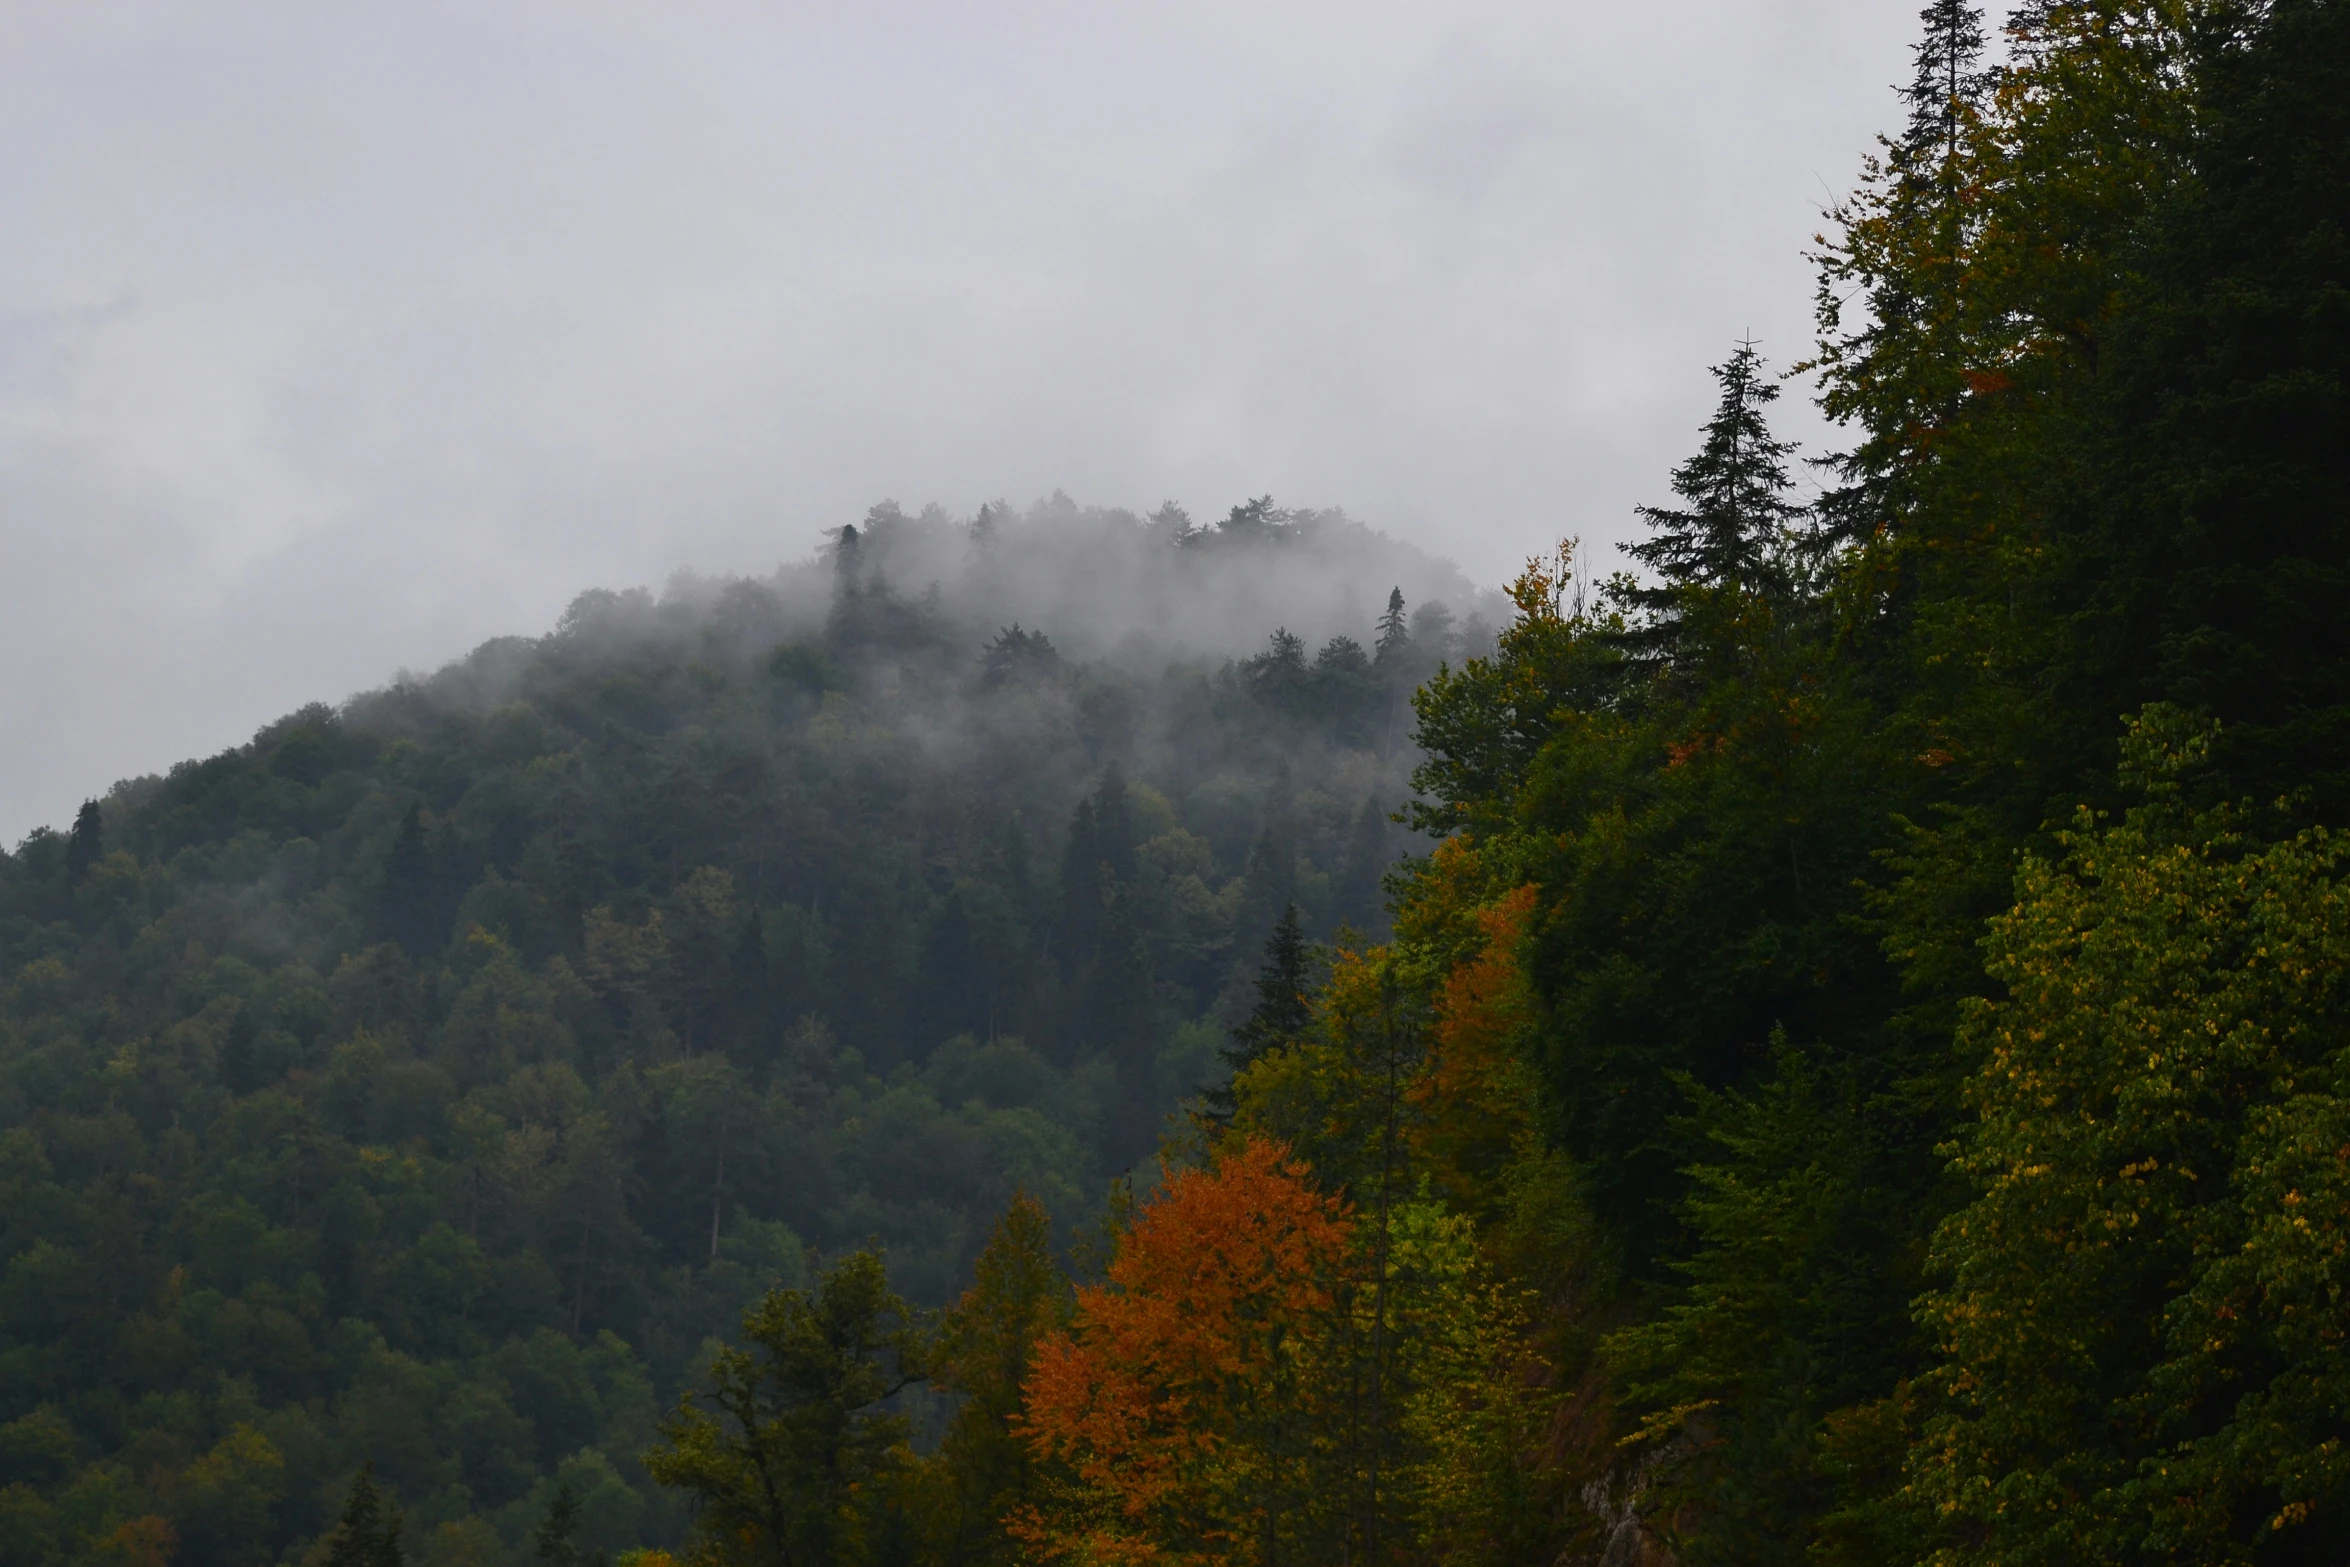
x=427 y=1078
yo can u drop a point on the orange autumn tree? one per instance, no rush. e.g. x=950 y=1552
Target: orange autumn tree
x=1409 y=1094
x=1474 y=1102
x=1191 y=1410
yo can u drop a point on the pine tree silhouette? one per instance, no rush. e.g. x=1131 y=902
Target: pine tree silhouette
x=1947 y=79
x=1734 y=530
x=86 y=844
x=1394 y=630
x=1282 y=1012
x=552 y=1546
x=369 y=1533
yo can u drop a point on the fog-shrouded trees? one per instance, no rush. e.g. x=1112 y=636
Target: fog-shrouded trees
x=1040 y=1038
x=431 y=1079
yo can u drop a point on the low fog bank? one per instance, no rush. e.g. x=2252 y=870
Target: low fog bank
x=1102 y=585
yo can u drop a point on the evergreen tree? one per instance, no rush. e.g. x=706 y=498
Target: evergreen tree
x=1017 y=657
x=369 y=1533
x=952 y=988
x=1947 y=80
x=1732 y=534
x=1269 y=880
x=2218 y=522
x=86 y=844
x=1395 y=662
x=1278 y=676
x=553 y=1545
x=750 y=995
x=1284 y=1009
x=1395 y=635
x=1904 y=252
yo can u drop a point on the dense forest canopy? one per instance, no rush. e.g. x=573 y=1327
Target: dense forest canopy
x=1850 y=1068
x=425 y=1081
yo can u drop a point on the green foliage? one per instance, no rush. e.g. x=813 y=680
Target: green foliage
x=432 y=1079
x=785 y=1450
x=1771 y=1134
x=2143 y=1295
x=982 y=1472
x=2085 y=317
x=1733 y=536
x=1282 y=1012
x=368 y=1534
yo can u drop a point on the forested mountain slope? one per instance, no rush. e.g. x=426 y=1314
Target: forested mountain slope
x=1863 y=1077
x=424 y=1081
x=1853 y=1069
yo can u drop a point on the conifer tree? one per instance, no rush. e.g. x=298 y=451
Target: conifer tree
x=1120 y=1023
x=553 y=1546
x=1733 y=531
x=369 y=1533
x=1903 y=253
x=1947 y=79
x=1278 y=676
x=1017 y=656
x=951 y=993
x=1394 y=630
x=1282 y=1013
x=86 y=845
x=1269 y=880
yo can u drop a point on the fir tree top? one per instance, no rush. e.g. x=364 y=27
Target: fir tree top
x=369 y=1533
x=1733 y=529
x=1394 y=633
x=87 y=843
x=1948 y=77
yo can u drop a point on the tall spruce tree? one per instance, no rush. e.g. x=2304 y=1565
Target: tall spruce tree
x=1946 y=79
x=368 y=1534
x=1284 y=981
x=1902 y=254
x=555 y=1544
x=1121 y=1024
x=1734 y=530
x=1367 y=859
x=1394 y=630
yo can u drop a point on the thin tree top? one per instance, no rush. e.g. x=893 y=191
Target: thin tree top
x=1732 y=527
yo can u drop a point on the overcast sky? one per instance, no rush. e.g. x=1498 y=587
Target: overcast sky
x=335 y=338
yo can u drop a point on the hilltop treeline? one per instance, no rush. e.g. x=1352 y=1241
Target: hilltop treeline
x=426 y=1081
